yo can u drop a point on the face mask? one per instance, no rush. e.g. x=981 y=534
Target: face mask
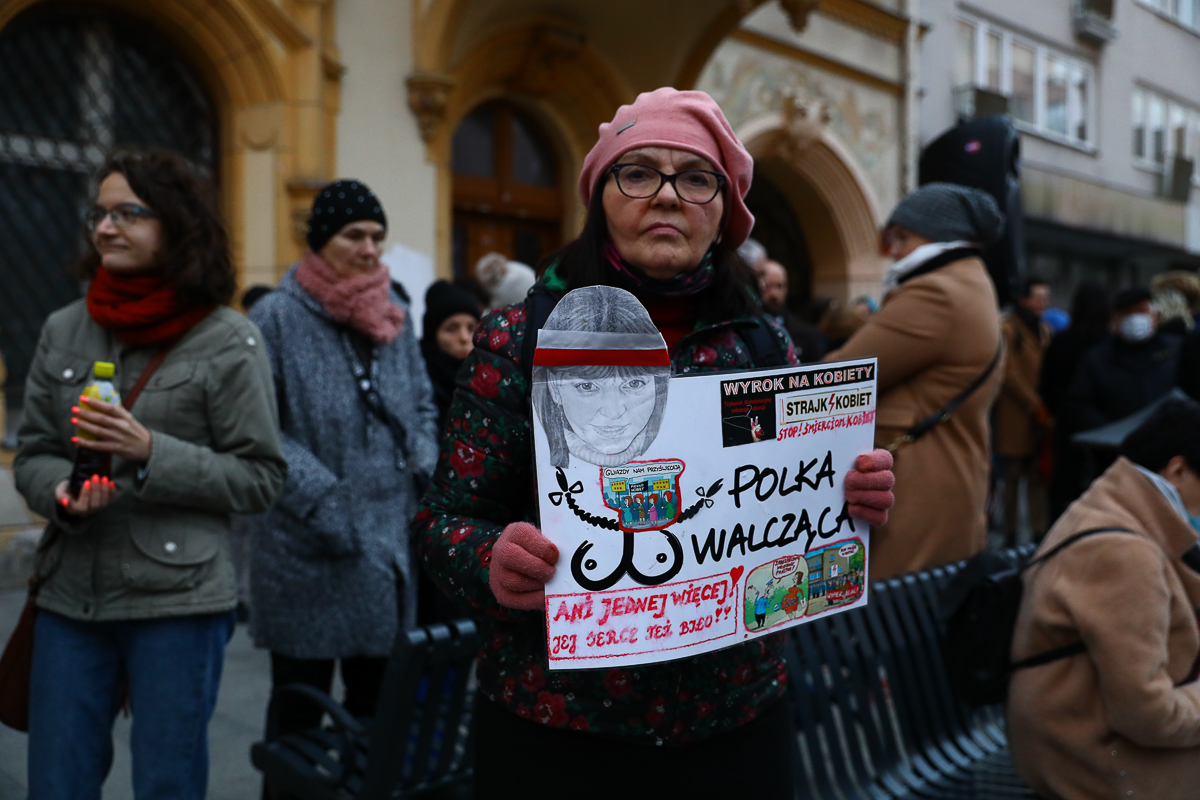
x=1136 y=327
x=1195 y=522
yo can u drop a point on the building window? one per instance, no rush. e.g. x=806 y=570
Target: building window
x=1139 y=124
x=74 y=85
x=964 y=62
x=1163 y=128
x=1079 y=103
x=1023 y=93
x=1049 y=92
x=1184 y=12
x=995 y=62
x=506 y=188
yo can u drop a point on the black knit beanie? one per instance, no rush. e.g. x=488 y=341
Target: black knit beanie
x=946 y=212
x=444 y=300
x=336 y=206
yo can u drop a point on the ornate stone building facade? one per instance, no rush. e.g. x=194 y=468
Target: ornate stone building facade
x=471 y=118
x=1105 y=97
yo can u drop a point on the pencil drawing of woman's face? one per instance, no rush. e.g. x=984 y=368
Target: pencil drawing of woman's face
x=606 y=413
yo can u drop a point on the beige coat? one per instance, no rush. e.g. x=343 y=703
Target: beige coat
x=1114 y=722
x=1019 y=400
x=934 y=335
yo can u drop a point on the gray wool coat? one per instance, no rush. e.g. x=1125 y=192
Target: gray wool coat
x=331 y=575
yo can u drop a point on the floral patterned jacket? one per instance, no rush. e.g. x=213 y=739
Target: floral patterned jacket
x=484 y=481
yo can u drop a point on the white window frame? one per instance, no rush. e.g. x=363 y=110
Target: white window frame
x=1042 y=52
x=1171 y=108
x=1171 y=10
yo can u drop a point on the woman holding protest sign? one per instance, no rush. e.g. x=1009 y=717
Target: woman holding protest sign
x=664 y=188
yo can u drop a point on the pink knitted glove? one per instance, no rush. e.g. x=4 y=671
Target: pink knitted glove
x=869 y=488
x=522 y=561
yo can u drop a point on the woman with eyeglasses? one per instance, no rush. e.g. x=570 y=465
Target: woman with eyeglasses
x=664 y=187
x=136 y=589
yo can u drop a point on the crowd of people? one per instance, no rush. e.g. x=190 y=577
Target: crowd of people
x=375 y=480
x=1111 y=361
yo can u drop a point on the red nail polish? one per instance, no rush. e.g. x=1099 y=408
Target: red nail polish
x=74 y=421
x=64 y=502
x=87 y=485
x=74 y=409
x=75 y=439
x=95 y=479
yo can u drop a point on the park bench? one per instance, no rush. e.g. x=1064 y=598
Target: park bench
x=875 y=715
x=416 y=745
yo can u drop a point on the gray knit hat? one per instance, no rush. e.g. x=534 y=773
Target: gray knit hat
x=946 y=212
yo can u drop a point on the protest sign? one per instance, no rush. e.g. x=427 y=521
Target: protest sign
x=691 y=513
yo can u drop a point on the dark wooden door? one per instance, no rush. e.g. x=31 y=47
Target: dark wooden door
x=506 y=188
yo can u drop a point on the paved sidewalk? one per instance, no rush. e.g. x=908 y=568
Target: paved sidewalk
x=238 y=721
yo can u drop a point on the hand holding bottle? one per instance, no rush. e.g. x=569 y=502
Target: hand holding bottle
x=96 y=493
x=114 y=430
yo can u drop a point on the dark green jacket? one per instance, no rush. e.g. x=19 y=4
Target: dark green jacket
x=162 y=547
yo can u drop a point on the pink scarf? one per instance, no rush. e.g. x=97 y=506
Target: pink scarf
x=359 y=300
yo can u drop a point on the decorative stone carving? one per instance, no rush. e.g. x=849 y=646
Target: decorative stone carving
x=260 y=125
x=798 y=11
x=428 y=94
x=549 y=47
x=804 y=123
x=301 y=192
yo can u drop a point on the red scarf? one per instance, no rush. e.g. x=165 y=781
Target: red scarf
x=141 y=309
x=673 y=316
x=361 y=301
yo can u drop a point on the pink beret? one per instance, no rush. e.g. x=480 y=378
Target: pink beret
x=690 y=121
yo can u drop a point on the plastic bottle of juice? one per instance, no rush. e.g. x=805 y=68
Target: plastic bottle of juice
x=92 y=462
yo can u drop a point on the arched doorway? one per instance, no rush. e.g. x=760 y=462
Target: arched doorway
x=778 y=230
x=829 y=196
x=75 y=84
x=506 y=188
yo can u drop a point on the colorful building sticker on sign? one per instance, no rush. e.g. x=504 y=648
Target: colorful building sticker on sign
x=676 y=539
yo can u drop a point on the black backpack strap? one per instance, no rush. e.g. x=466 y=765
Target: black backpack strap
x=399 y=289
x=1067 y=650
x=941 y=415
x=765 y=348
x=1072 y=539
x=538 y=306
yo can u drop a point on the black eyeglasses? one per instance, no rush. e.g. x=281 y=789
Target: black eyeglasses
x=638 y=181
x=122 y=215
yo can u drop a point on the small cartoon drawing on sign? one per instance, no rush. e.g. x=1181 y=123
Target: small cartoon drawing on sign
x=600 y=377
x=837 y=575
x=776 y=592
x=644 y=492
